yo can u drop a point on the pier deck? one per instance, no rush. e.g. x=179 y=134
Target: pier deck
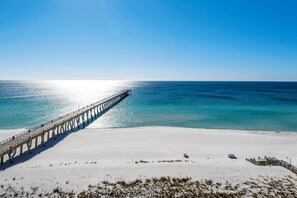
x=30 y=139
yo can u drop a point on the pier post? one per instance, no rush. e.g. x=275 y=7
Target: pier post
x=69 y=125
x=14 y=151
x=77 y=122
x=54 y=133
x=42 y=139
x=64 y=127
x=36 y=141
x=29 y=143
x=83 y=119
x=21 y=149
x=10 y=155
x=61 y=128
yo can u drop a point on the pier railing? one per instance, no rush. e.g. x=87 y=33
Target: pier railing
x=29 y=139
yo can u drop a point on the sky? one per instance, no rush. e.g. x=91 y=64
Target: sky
x=148 y=40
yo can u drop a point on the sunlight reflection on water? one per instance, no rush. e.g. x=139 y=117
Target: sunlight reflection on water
x=85 y=92
x=40 y=101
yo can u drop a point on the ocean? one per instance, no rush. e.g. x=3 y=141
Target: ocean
x=264 y=106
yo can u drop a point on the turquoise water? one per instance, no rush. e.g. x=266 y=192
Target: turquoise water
x=229 y=105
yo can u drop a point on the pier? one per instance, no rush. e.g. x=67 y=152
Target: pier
x=30 y=139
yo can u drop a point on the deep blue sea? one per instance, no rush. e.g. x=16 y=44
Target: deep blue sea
x=227 y=105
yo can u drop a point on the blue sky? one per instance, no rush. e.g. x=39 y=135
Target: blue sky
x=148 y=40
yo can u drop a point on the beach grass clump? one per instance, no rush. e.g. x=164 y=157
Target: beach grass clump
x=169 y=161
x=141 y=162
x=57 y=190
x=161 y=161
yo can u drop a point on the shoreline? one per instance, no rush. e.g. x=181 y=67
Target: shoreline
x=90 y=156
x=7 y=133
x=161 y=126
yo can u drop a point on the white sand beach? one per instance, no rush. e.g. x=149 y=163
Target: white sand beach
x=90 y=156
x=5 y=134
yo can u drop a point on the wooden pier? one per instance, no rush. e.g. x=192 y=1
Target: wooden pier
x=32 y=138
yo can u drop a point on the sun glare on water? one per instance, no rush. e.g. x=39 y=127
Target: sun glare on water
x=87 y=89
x=79 y=93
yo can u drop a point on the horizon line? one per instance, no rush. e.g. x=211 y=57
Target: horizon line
x=150 y=80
